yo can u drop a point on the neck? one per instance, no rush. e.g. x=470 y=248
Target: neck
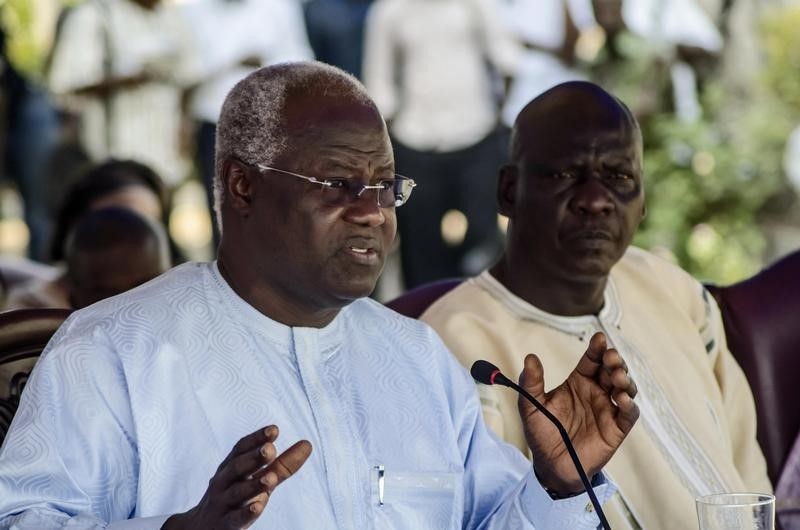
x=271 y=300
x=558 y=296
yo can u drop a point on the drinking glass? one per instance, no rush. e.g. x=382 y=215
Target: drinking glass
x=736 y=511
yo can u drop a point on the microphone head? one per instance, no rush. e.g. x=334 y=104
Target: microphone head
x=484 y=372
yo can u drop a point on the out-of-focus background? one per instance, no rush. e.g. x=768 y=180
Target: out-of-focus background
x=714 y=83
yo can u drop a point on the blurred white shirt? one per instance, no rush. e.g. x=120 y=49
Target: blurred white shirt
x=271 y=30
x=425 y=65
x=116 y=38
x=672 y=22
x=541 y=23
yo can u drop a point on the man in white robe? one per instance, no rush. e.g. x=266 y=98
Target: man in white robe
x=138 y=399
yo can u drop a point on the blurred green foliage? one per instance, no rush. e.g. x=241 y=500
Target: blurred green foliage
x=18 y=21
x=781 y=36
x=710 y=182
x=25 y=23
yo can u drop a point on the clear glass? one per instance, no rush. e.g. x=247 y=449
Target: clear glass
x=736 y=511
x=390 y=193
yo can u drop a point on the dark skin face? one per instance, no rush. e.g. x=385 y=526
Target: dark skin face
x=101 y=274
x=574 y=198
x=292 y=257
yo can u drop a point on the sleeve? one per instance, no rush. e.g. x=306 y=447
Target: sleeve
x=501 y=489
x=582 y=13
x=293 y=43
x=70 y=458
x=740 y=410
x=188 y=67
x=470 y=336
x=380 y=54
x=77 y=56
x=502 y=50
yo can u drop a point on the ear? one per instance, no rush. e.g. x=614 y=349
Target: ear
x=507 y=189
x=238 y=186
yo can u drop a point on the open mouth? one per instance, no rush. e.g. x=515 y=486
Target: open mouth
x=363 y=252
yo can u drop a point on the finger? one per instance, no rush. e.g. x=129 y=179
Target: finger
x=620 y=380
x=266 y=435
x=246 y=515
x=632 y=389
x=591 y=361
x=246 y=491
x=245 y=465
x=288 y=462
x=616 y=374
x=532 y=380
x=612 y=361
x=251 y=441
x=627 y=411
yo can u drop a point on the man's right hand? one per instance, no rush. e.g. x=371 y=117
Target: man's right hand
x=240 y=489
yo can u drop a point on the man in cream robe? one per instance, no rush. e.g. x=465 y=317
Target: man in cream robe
x=574 y=197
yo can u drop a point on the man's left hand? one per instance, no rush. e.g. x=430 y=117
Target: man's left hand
x=595 y=405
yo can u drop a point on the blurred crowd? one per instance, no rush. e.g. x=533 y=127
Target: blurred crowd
x=124 y=108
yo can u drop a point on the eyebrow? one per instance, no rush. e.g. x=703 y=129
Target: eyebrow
x=332 y=164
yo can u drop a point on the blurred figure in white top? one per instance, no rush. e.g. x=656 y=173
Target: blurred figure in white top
x=257 y=33
x=431 y=68
x=550 y=31
x=120 y=65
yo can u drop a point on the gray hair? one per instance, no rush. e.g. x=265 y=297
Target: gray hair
x=252 y=126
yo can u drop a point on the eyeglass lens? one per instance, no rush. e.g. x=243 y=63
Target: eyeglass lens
x=392 y=193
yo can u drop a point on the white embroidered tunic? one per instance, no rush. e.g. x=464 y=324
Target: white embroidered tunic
x=138 y=399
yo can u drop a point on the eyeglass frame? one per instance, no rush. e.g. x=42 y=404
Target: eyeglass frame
x=325 y=183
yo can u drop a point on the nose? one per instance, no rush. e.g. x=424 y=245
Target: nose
x=591 y=197
x=364 y=209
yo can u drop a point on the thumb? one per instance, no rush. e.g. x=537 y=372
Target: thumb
x=532 y=378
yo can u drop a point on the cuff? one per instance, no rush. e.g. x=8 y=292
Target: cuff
x=574 y=512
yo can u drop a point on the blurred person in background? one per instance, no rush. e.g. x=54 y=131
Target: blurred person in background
x=668 y=44
x=549 y=31
x=121 y=65
x=113 y=250
x=430 y=68
x=123 y=183
x=115 y=183
x=257 y=33
x=336 y=32
x=28 y=134
x=109 y=251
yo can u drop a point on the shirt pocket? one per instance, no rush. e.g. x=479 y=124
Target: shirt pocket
x=414 y=500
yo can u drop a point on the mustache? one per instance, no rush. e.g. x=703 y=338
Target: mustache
x=603 y=232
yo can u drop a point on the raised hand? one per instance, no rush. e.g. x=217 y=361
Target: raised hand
x=595 y=405
x=240 y=489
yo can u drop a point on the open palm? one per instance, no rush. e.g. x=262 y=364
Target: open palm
x=595 y=405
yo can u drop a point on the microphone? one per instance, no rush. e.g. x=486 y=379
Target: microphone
x=488 y=374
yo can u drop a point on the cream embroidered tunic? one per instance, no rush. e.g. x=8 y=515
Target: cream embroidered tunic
x=697 y=430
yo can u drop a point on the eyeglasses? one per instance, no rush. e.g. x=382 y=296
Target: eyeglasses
x=391 y=192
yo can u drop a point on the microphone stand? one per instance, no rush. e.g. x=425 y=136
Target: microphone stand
x=498 y=378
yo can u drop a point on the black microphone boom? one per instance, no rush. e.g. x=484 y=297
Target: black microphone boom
x=488 y=374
